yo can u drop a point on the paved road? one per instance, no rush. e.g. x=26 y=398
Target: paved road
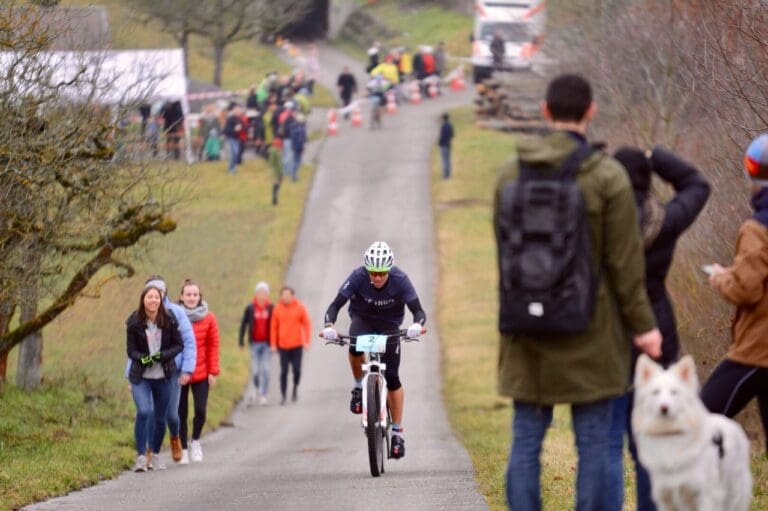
x=312 y=455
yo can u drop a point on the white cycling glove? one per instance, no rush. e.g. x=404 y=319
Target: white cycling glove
x=414 y=331
x=330 y=334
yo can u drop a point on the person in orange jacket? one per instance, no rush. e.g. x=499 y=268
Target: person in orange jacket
x=206 y=368
x=290 y=331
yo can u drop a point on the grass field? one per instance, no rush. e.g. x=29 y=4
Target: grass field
x=467 y=317
x=78 y=429
x=419 y=24
x=245 y=62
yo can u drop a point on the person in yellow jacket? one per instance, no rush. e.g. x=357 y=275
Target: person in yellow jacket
x=406 y=63
x=388 y=70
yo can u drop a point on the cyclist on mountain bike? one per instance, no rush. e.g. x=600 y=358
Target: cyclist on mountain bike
x=378 y=293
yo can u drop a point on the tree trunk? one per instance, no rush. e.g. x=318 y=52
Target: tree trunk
x=218 y=61
x=6 y=312
x=3 y=370
x=184 y=42
x=29 y=374
x=29 y=368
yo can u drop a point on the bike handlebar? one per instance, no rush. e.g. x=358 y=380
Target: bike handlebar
x=344 y=340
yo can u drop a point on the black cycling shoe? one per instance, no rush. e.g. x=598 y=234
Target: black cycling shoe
x=397 y=450
x=356 y=404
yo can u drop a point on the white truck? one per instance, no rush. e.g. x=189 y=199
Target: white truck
x=520 y=24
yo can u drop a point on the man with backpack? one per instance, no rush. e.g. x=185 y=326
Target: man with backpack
x=572 y=292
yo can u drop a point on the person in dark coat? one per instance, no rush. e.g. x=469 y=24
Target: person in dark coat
x=347 y=86
x=173 y=121
x=418 y=66
x=498 y=50
x=152 y=342
x=252 y=101
x=661 y=225
x=444 y=142
x=298 y=141
x=373 y=57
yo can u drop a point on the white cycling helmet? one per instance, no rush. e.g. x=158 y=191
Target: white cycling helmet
x=379 y=257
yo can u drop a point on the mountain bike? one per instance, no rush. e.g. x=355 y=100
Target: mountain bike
x=376 y=418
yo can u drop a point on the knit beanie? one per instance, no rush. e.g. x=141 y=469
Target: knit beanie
x=262 y=286
x=158 y=283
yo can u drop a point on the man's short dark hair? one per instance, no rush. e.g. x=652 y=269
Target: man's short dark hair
x=569 y=97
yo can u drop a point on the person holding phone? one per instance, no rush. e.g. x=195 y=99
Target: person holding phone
x=743 y=374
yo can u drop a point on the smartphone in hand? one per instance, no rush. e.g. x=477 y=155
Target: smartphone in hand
x=709 y=269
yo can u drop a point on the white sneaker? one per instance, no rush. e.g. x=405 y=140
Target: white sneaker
x=252 y=396
x=196 y=451
x=141 y=463
x=263 y=401
x=155 y=462
x=184 y=457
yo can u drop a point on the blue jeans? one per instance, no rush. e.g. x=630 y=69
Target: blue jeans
x=591 y=425
x=614 y=492
x=288 y=158
x=620 y=425
x=445 y=154
x=172 y=414
x=296 y=163
x=234 y=154
x=151 y=399
x=261 y=358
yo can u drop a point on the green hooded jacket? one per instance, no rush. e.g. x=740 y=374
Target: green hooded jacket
x=593 y=365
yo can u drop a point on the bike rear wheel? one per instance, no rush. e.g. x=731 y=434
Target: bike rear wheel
x=374 y=431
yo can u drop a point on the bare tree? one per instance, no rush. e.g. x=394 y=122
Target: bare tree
x=224 y=22
x=690 y=75
x=179 y=18
x=70 y=205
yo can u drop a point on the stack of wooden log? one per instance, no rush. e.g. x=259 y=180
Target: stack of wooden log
x=511 y=102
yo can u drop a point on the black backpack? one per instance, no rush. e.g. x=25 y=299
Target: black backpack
x=547 y=276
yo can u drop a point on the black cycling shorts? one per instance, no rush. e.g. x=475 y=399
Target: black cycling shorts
x=362 y=326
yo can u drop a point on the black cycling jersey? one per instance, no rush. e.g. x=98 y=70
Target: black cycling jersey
x=386 y=304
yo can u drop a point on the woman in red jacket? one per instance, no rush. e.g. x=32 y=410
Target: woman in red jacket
x=206 y=369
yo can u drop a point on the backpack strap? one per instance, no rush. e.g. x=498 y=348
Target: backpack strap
x=575 y=159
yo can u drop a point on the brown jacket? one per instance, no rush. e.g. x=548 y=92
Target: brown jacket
x=745 y=284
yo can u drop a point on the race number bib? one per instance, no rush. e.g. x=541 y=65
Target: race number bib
x=371 y=343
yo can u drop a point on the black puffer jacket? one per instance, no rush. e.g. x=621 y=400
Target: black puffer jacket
x=691 y=194
x=138 y=347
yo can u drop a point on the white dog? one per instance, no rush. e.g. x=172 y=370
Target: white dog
x=697 y=461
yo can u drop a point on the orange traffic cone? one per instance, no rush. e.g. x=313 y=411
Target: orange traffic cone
x=391 y=103
x=415 y=93
x=357 y=117
x=458 y=83
x=333 y=126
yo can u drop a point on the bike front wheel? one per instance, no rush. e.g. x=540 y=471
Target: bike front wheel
x=374 y=430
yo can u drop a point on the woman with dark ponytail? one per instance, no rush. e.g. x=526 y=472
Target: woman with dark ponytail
x=661 y=225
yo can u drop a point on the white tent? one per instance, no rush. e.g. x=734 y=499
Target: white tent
x=114 y=77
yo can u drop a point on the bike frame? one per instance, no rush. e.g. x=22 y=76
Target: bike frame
x=374 y=368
